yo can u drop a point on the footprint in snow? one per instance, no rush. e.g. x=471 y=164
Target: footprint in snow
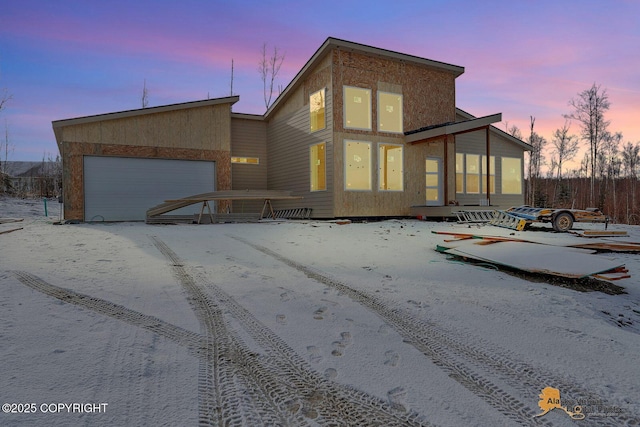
x=392 y=358
x=397 y=398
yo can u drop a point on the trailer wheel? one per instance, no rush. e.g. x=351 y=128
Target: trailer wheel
x=563 y=222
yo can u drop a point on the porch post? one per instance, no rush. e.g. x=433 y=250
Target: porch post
x=488 y=165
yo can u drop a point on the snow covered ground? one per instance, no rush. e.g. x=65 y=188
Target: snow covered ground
x=298 y=323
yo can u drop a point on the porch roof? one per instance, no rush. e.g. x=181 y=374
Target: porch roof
x=450 y=128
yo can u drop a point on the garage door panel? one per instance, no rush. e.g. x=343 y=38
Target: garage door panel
x=123 y=188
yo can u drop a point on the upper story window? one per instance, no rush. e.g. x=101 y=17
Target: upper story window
x=357 y=108
x=390 y=112
x=316 y=110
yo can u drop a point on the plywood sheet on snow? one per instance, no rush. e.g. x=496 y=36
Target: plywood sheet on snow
x=536 y=258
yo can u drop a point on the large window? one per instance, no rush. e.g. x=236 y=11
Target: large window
x=357 y=165
x=389 y=112
x=357 y=108
x=459 y=173
x=511 y=175
x=390 y=167
x=472 y=181
x=492 y=174
x=317 y=159
x=316 y=110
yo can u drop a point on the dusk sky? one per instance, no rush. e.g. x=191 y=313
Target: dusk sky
x=67 y=59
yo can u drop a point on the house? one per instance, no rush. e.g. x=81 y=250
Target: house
x=359 y=132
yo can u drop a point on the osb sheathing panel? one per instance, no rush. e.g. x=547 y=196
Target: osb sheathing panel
x=204 y=128
x=387 y=203
x=73 y=173
x=428 y=93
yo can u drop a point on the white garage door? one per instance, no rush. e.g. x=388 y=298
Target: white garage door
x=123 y=188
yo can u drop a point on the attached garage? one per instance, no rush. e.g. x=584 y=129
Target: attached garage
x=123 y=188
x=118 y=165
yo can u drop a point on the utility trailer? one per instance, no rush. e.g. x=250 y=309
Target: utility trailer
x=562 y=220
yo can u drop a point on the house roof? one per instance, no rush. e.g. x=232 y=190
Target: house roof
x=144 y=111
x=451 y=128
x=502 y=133
x=333 y=43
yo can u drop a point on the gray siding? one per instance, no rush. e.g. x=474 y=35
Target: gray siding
x=475 y=143
x=288 y=149
x=248 y=139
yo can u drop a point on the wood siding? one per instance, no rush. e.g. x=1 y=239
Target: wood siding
x=249 y=139
x=289 y=145
x=475 y=143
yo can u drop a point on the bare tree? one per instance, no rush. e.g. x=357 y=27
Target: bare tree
x=145 y=95
x=231 y=92
x=536 y=160
x=588 y=110
x=514 y=131
x=631 y=163
x=565 y=146
x=269 y=68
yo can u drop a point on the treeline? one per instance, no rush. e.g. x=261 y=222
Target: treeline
x=608 y=175
x=618 y=197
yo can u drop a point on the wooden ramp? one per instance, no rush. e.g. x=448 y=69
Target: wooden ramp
x=156 y=213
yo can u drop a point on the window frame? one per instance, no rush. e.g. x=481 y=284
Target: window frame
x=483 y=175
x=460 y=173
x=345 y=108
x=313 y=118
x=504 y=176
x=400 y=112
x=380 y=166
x=243 y=160
x=346 y=166
x=467 y=174
x=312 y=169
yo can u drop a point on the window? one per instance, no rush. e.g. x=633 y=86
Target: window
x=390 y=167
x=511 y=175
x=492 y=175
x=317 y=159
x=357 y=165
x=389 y=112
x=472 y=181
x=316 y=110
x=459 y=173
x=357 y=108
x=246 y=160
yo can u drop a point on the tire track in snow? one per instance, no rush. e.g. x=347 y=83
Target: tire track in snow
x=222 y=379
x=180 y=336
x=348 y=405
x=463 y=362
x=281 y=384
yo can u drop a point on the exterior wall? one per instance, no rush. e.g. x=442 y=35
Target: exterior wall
x=192 y=134
x=248 y=139
x=289 y=143
x=428 y=99
x=475 y=143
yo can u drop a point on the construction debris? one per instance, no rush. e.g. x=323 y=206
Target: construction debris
x=565 y=260
x=519 y=218
x=9 y=231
